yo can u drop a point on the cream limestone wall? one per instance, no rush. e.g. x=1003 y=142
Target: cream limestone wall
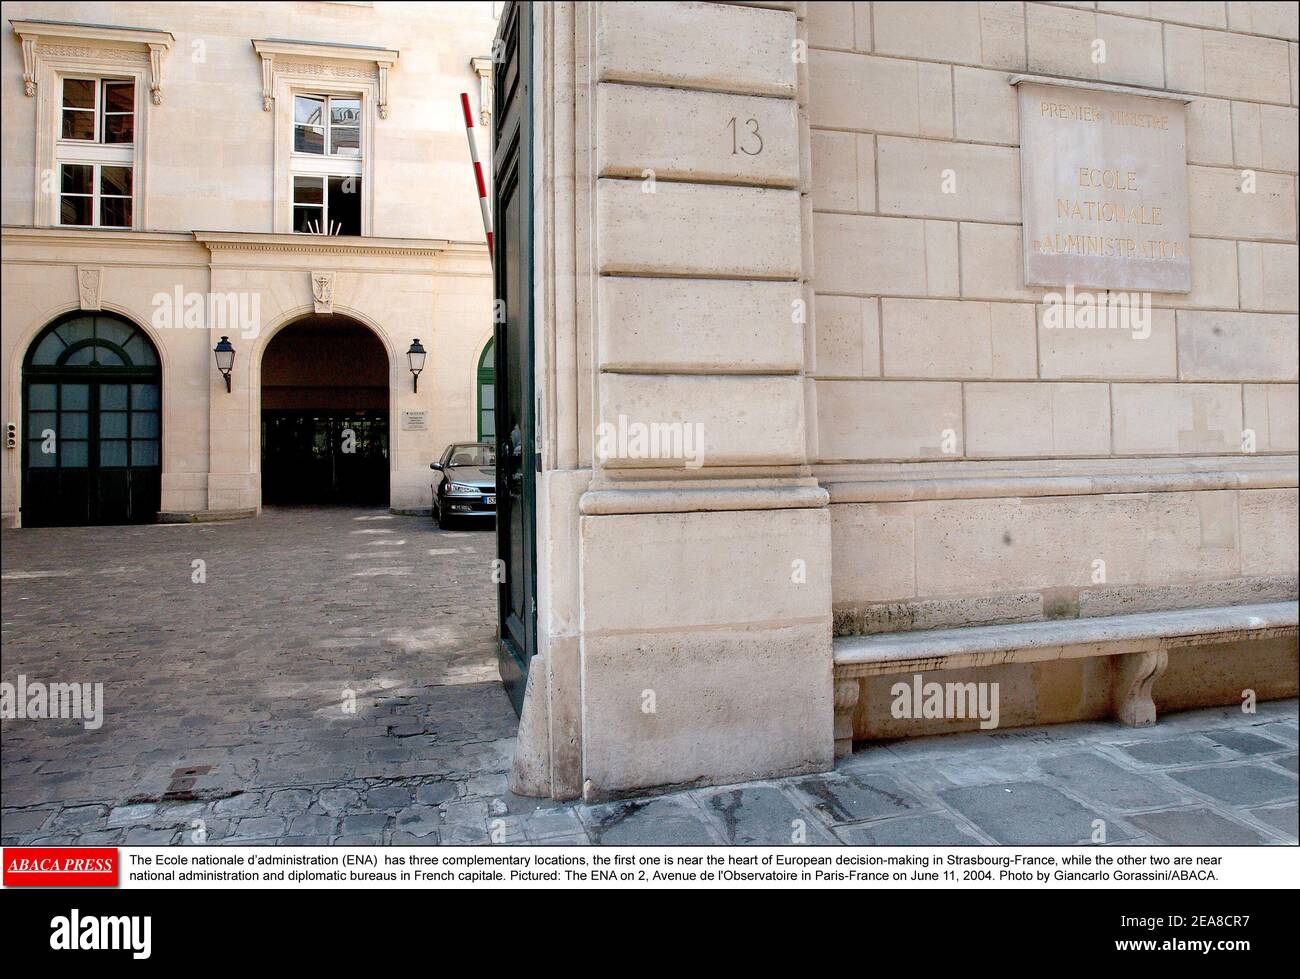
x=213 y=212
x=984 y=468
x=683 y=596
x=732 y=234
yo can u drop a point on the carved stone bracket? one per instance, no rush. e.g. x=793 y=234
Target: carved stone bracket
x=29 y=65
x=322 y=290
x=483 y=68
x=92 y=43
x=1133 y=676
x=846 y=702
x=323 y=60
x=90 y=286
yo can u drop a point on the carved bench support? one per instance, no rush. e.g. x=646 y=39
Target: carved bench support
x=1134 y=674
x=846 y=699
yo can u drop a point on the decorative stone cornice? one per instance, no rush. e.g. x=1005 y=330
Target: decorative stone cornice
x=334 y=244
x=483 y=68
x=91 y=42
x=326 y=60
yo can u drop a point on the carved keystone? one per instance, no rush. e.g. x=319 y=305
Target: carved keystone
x=1133 y=676
x=846 y=700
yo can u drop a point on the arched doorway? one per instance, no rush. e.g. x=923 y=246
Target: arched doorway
x=325 y=414
x=486 y=387
x=92 y=410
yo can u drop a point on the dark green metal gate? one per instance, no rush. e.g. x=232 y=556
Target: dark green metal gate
x=92 y=424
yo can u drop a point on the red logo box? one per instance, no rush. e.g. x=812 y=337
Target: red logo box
x=60 y=866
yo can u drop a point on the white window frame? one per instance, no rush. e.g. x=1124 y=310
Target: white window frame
x=96 y=195
x=52 y=51
x=300 y=67
x=98 y=111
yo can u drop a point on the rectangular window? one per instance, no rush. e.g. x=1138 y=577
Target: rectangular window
x=326 y=205
x=327 y=125
x=94 y=153
x=98 y=110
x=95 y=195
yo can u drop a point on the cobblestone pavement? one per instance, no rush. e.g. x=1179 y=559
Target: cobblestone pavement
x=224 y=719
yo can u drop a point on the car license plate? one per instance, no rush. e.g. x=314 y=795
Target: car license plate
x=490 y=499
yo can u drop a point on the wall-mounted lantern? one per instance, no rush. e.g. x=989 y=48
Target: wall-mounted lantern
x=415 y=357
x=225 y=355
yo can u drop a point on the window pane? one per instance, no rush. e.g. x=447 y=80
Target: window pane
x=79 y=93
x=75 y=396
x=78 y=124
x=486 y=395
x=307 y=220
x=309 y=109
x=119 y=129
x=37 y=457
x=345 y=206
x=114 y=331
x=47 y=354
x=119 y=96
x=112 y=424
x=308 y=190
x=74 y=425
x=345 y=112
x=75 y=210
x=489 y=425
x=81 y=357
x=308 y=139
x=144 y=395
x=144 y=453
x=40 y=396
x=73 y=455
x=80 y=328
x=345 y=140
x=115 y=212
x=78 y=178
x=144 y=424
x=115 y=181
x=140 y=351
x=38 y=422
x=112 y=453
x=112 y=397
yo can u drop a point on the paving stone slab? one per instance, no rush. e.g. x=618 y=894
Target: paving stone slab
x=760 y=814
x=924 y=830
x=857 y=797
x=1195 y=827
x=1091 y=776
x=1239 y=785
x=1026 y=813
x=1281 y=818
x=662 y=820
x=1173 y=751
x=1243 y=742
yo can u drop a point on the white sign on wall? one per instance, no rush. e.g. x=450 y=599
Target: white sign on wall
x=414 y=421
x=1103 y=184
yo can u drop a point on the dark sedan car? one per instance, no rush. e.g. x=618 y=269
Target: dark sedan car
x=467 y=484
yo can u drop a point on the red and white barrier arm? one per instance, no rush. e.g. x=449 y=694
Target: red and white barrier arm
x=478 y=171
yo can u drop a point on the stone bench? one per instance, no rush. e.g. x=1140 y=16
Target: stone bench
x=1140 y=644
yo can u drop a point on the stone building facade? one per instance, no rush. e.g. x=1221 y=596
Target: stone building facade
x=799 y=228
x=295 y=167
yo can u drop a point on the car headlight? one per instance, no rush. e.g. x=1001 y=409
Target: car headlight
x=462 y=489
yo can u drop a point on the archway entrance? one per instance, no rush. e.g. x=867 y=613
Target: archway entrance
x=92 y=410
x=325 y=414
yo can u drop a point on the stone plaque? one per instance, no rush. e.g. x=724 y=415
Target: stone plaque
x=1103 y=183
x=415 y=421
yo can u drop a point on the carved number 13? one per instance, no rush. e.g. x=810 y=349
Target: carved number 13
x=736 y=146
